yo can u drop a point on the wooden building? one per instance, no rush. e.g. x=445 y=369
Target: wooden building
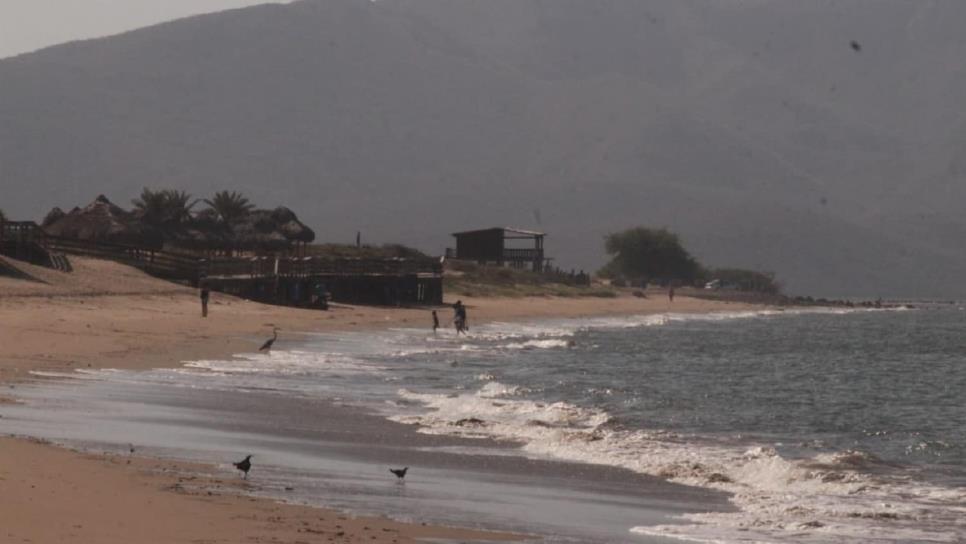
x=303 y=281
x=501 y=246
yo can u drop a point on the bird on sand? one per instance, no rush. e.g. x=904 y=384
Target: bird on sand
x=244 y=465
x=267 y=346
x=399 y=472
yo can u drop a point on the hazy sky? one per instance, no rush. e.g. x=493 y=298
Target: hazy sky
x=27 y=25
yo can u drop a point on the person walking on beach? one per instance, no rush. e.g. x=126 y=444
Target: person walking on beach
x=205 y=295
x=435 y=321
x=670 y=293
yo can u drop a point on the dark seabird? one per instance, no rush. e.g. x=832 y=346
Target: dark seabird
x=244 y=465
x=268 y=343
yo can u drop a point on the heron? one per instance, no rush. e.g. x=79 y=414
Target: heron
x=267 y=346
x=244 y=465
x=399 y=472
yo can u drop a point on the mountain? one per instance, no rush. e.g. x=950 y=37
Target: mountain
x=751 y=127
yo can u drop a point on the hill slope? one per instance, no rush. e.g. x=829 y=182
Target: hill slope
x=751 y=127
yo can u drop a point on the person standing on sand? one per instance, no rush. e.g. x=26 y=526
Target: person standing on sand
x=205 y=295
x=670 y=293
x=435 y=321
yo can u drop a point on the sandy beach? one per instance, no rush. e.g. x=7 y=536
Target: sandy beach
x=109 y=316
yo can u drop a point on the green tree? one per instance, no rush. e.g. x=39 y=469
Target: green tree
x=167 y=209
x=3 y=216
x=645 y=253
x=229 y=206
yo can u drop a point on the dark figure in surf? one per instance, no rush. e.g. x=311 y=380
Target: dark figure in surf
x=435 y=321
x=459 y=317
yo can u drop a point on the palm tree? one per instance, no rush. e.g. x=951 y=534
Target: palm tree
x=230 y=206
x=150 y=206
x=166 y=209
x=178 y=205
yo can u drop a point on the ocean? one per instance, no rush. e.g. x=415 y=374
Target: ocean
x=804 y=425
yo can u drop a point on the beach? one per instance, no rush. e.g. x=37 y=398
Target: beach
x=106 y=316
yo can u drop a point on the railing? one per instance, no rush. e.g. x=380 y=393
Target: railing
x=528 y=255
x=509 y=255
x=20 y=231
x=267 y=267
x=187 y=266
x=162 y=263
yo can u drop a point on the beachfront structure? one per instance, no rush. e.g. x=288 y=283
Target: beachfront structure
x=277 y=279
x=501 y=246
x=26 y=241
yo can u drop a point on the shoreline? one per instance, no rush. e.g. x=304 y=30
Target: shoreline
x=145 y=323
x=154 y=324
x=121 y=499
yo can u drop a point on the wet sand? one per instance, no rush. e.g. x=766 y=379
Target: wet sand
x=56 y=495
x=315 y=451
x=109 y=316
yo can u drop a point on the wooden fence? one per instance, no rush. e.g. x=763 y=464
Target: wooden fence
x=305 y=267
x=166 y=264
x=281 y=279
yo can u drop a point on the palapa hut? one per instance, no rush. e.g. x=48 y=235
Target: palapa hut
x=260 y=231
x=101 y=221
x=272 y=230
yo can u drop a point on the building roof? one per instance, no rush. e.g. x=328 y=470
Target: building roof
x=511 y=230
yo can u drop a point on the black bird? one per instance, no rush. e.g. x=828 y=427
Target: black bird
x=856 y=46
x=399 y=472
x=267 y=346
x=244 y=465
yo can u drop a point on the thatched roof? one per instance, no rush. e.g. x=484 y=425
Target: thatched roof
x=101 y=221
x=265 y=230
x=53 y=216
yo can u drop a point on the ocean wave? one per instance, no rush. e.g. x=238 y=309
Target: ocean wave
x=831 y=497
x=547 y=343
x=288 y=363
x=565 y=328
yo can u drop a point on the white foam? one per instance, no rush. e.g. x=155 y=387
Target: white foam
x=53 y=374
x=290 y=363
x=828 y=498
x=564 y=328
x=550 y=343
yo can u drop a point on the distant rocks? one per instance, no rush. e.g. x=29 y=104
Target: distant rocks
x=844 y=303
